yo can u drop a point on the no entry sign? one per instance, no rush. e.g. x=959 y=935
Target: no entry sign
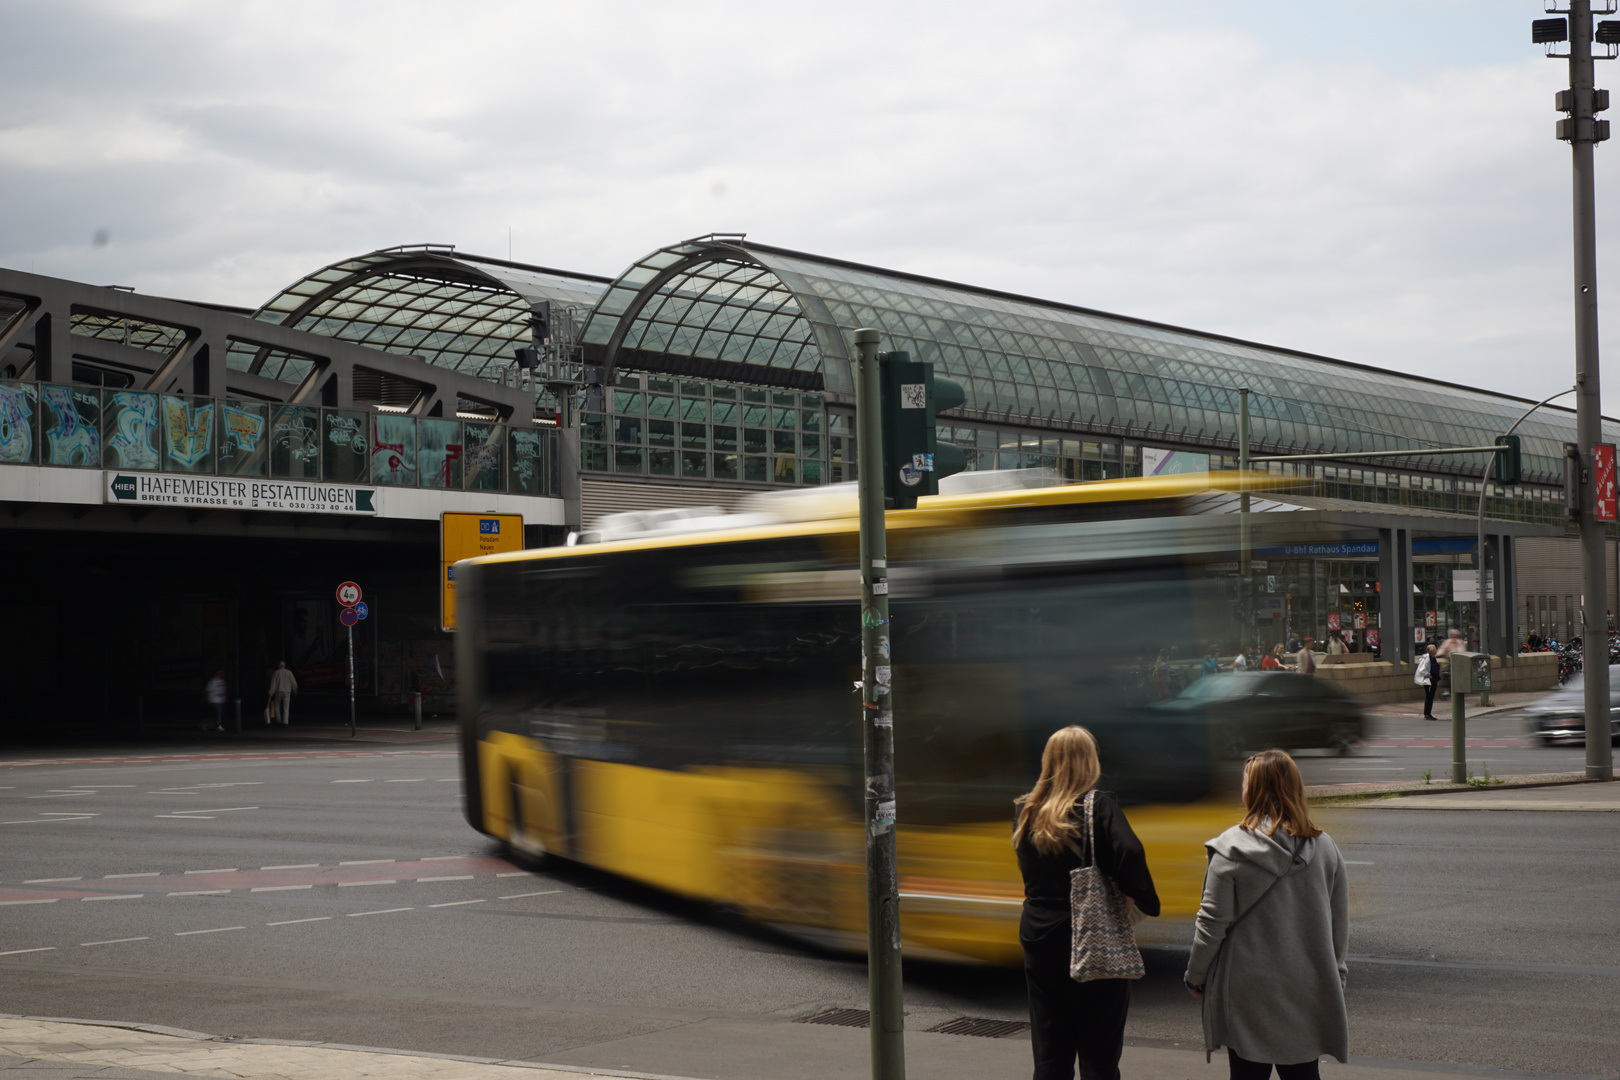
x=348 y=594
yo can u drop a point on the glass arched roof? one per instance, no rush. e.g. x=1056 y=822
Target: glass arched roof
x=725 y=307
x=463 y=312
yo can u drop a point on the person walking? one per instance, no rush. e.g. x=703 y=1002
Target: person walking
x=215 y=693
x=1071 y=1020
x=1212 y=662
x=1273 y=660
x=282 y=687
x=1427 y=675
x=1272 y=933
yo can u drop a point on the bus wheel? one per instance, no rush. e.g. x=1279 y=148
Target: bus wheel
x=519 y=840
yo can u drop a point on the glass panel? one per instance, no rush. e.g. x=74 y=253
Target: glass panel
x=725 y=412
x=19 y=427
x=188 y=434
x=787 y=470
x=725 y=392
x=786 y=418
x=783 y=441
x=525 y=460
x=627 y=429
x=393 y=450
x=593 y=457
x=295 y=442
x=811 y=445
x=694 y=465
x=439 y=456
x=346 y=437
x=485 y=450
x=754 y=469
x=660 y=406
x=244 y=443
x=811 y=470
x=130 y=430
x=812 y=420
x=660 y=386
x=661 y=432
x=661 y=462
x=756 y=415
x=694 y=389
x=695 y=409
x=725 y=438
x=593 y=427
x=753 y=395
x=753 y=441
x=725 y=466
x=694 y=437
x=625 y=401
x=628 y=459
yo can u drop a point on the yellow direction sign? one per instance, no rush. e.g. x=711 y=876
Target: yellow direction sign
x=464 y=536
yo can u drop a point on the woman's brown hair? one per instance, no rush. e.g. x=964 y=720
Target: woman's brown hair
x=1069 y=769
x=1273 y=790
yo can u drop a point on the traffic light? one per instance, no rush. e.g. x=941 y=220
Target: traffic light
x=1509 y=464
x=914 y=460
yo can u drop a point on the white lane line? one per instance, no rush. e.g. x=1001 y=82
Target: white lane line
x=52 y=819
x=95 y=787
x=14 y=903
x=382 y=881
x=278 y=888
x=219 y=810
x=364 y=862
x=215 y=930
x=521 y=895
x=67 y=814
x=144 y=873
x=294 y=922
x=54 y=880
x=458 y=903
x=19 y=952
x=519 y=873
x=448 y=779
x=123 y=896
x=186 y=817
x=113 y=941
x=459 y=877
x=296 y=865
x=202 y=892
x=441 y=858
x=59 y=795
x=418 y=780
x=384 y=911
x=1359 y=862
x=232 y=869
x=351 y=781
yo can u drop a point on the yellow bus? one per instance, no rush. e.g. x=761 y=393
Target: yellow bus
x=675 y=702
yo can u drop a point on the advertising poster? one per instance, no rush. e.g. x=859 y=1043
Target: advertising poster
x=1333 y=620
x=1156 y=462
x=71 y=421
x=1372 y=640
x=393 y=450
x=439 y=454
x=1419 y=635
x=132 y=430
x=1429 y=619
x=19 y=402
x=1360 y=621
x=1604 y=502
x=188 y=434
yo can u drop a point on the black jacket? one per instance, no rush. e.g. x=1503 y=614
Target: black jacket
x=1045 y=922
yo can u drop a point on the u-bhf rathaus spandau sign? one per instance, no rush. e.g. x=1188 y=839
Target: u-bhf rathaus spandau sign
x=222 y=493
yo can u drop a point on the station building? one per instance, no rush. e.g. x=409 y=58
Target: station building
x=182 y=484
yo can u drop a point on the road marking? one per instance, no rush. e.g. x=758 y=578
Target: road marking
x=14 y=903
x=383 y=881
x=293 y=866
x=384 y=911
x=186 y=817
x=122 y=896
x=458 y=903
x=448 y=779
x=293 y=922
x=1366 y=768
x=418 y=780
x=444 y=858
x=202 y=892
x=365 y=862
x=50 y=880
x=215 y=930
x=519 y=873
x=114 y=941
x=278 y=888
x=224 y=870
x=50 y=819
x=351 y=781
x=521 y=895
x=456 y=877
x=19 y=952
x=1358 y=862
x=219 y=810
x=148 y=873
x=96 y=786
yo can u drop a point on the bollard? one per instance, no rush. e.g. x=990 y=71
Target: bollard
x=239 y=716
x=418 y=697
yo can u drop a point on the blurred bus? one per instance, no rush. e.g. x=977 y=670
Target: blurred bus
x=675 y=703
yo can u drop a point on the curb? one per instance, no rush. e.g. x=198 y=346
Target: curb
x=1344 y=792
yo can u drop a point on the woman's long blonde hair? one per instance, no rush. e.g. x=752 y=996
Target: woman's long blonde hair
x=1273 y=790
x=1069 y=769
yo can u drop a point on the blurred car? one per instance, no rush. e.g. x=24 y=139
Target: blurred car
x=1255 y=710
x=1561 y=715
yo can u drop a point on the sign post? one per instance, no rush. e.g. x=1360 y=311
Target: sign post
x=348 y=594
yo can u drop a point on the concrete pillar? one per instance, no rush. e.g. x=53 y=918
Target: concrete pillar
x=1395 y=593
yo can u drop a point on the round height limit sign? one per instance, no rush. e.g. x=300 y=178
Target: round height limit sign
x=348 y=594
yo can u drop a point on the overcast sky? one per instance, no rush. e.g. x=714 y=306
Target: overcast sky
x=1376 y=181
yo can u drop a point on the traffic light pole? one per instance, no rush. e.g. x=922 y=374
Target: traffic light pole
x=1583 y=136
x=885 y=991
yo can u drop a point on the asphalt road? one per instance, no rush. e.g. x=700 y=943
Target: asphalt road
x=318 y=891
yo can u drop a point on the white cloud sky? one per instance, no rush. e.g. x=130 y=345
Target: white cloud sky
x=1375 y=181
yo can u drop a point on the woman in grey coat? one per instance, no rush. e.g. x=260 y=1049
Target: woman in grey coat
x=1268 y=955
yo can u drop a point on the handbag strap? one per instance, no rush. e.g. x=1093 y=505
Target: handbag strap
x=1088 y=854
x=1298 y=844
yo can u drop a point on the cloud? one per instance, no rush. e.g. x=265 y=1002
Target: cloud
x=1199 y=169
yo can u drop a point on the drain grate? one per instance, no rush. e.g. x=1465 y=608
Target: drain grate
x=981 y=1026
x=854 y=1018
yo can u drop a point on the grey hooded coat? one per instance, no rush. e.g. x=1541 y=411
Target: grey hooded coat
x=1274 y=986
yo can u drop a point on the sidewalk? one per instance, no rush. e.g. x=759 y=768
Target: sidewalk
x=56 y=1049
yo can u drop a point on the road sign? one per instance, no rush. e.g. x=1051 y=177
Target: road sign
x=348 y=594
x=361 y=610
x=348 y=616
x=1604 y=505
x=466 y=536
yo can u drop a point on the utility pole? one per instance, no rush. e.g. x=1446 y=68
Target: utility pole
x=1583 y=131
x=1245 y=540
x=885 y=990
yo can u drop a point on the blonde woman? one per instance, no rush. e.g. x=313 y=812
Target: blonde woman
x=1269 y=945
x=1071 y=1020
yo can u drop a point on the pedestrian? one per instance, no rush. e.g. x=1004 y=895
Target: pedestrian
x=1240 y=662
x=1212 y=662
x=1454 y=643
x=1427 y=675
x=1335 y=644
x=282 y=687
x=1306 y=662
x=215 y=693
x=1274 y=659
x=1071 y=1020
x=1272 y=933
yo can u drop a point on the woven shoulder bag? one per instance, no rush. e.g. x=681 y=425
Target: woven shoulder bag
x=1102 y=943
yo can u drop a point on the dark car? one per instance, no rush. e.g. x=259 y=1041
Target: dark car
x=1255 y=710
x=1561 y=715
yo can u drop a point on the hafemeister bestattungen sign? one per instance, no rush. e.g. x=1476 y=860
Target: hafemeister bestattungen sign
x=223 y=493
